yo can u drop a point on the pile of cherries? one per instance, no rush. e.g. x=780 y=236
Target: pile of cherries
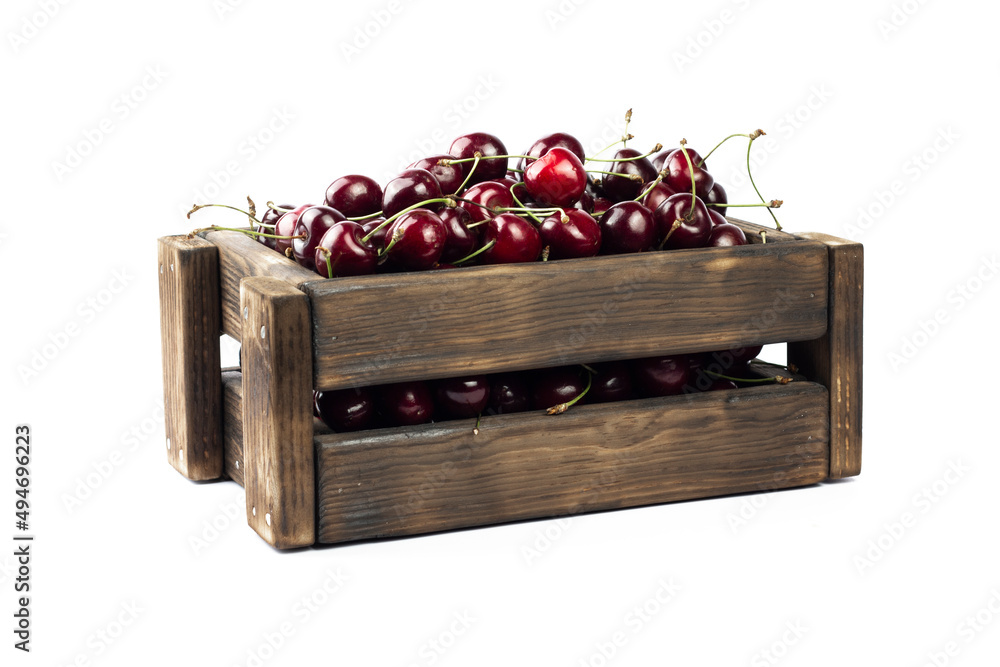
x=552 y=389
x=471 y=206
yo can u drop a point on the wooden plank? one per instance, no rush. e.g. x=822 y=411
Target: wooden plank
x=440 y=476
x=189 y=334
x=232 y=423
x=388 y=328
x=753 y=232
x=278 y=468
x=240 y=257
x=835 y=359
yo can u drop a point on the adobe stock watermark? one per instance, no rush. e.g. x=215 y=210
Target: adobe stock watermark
x=365 y=34
x=956 y=299
x=232 y=512
x=121 y=108
x=252 y=145
x=101 y=470
x=299 y=614
x=31 y=25
x=966 y=631
x=223 y=8
x=750 y=506
x=86 y=312
x=899 y=15
x=634 y=622
x=559 y=13
x=110 y=632
x=711 y=29
x=435 y=648
x=921 y=504
x=774 y=653
x=912 y=171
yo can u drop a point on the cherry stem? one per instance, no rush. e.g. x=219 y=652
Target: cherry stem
x=673 y=228
x=774 y=203
x=521 y=204
x=694 y=196
x=446 y=200
x=563 y=407
x=271 y=205
x=248 y=232
x=779 y=379
x=475 y=164
x=612 y=144
x=548 y=211
x=366 y=217
x=659 y=178
x=656 y=149
x=198 y=207
x=475 y=253
x=395 y=239
x=702 y=162
x=754 y=135
x=631 y=177
x=519 y=171
x=475 y=429
x=329 y=266
x=628 y=119
x=443 y=161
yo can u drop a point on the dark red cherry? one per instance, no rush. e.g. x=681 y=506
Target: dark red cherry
x=467 y=145
x=460 y=398
x=354 y=195
x=461 y=240
x=285 y=226
x=627 y=227
x=489 y=194
x=349 y=255
x=658 y=159
x=509 y=393
x=270 y=217
x=580 y=236
x=719 y=384
x=378 y=240
x=678 y=173
x=346 y=410
x=553 y=386
x=312 y=225
x=661 y=376
x=405 y=403
x=557 y=178
x=746 y=354
x=716 y=218
x=585 y=202
x=416 y=240
x=611 y=382
x=411 y=187
x=621 y=186
x=655 y=197
x=550 y=141
x=449 y=176
x=694 y=227
x=726 y=234
x=601 y=204
x=717 y=195
x=517 y=240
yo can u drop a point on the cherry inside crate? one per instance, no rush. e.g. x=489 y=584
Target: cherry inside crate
x=306 y=485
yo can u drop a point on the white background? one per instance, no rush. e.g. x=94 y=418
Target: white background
x=826 y=575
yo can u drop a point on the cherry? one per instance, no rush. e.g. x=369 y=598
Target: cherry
x=660 y=157
x=661 y=376
x=717 y=195
x=509 y=393
x=553 y=386
x=678 y=173
x=586 y=202
x=601 y=204
x=346 y=410
x=557 y=178
x=378 y=239
x=348 y=254
x=416 y=240
x=354 y=195
x=726 y=234
x=460 y=239
x=405 y=403
x=285 y=226
x=657 y=194
x=692 y=228
x=467 y=145
x=411 y=187
x=744 y=355
x=550 y=141
x=312 y=225
x=627 y=227
x=579 y=236
x=459 y=398
x=516 y=240
x=716 y=217
x=270 y=217
x=488 y=194
x=612 y=381
x=719 y=384
x=618 y=186
x=449 y=176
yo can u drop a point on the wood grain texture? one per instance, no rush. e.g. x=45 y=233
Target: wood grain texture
x=240 y=257
x=232 y=423
x=440 y=476
x=835 y=359
x=278 y=467
x=388 y=328
x=189 y=334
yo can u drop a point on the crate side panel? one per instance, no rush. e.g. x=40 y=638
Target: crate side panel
x=232 y=423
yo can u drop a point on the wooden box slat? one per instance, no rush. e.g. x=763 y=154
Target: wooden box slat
x=440 y=476
x=232 y=423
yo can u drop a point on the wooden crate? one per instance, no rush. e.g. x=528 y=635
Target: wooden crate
x=305 y=484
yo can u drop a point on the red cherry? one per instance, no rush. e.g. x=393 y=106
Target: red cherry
x=627 y=227
x=655 y=197
x=416 y=240
x=550 y=141
x=509 y=393
x=661 y=376
x=516 y=240
x=285 y=226
x=488 y=194
x=312 y=225
x=449 y=176
x=693 y=228
x=717 y=195
x=346 y=410
x=618 y=186
x=460 y=398
x=612 y=381
x=378 y=239
x=461 y=240
x=557 y=178
x=715 y=217
x=270 y=217
x=726 y=234
x=405 y=403
x=354 y=195
x=411 y=187
x=678 y=173
x=467 y=145
x=553 y=386
x=579 y=236
x=349 y=255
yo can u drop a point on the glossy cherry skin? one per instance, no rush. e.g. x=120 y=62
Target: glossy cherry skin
x=517 y=240
x=354 y=195
x=678 y=173
x=270 y=217
x=557 y=178
x=619 y=188
x=349 y=254
x=346 y=410
x=658 y=159
x=489 y=194
x=694 y=227
x=285 y=226
x=411 y=187
x=378 y=240
x=509 y=393
x=600 y=205
x=661 y=376
x=312 y=225
x=553 y=386
x=580 y=236
x=744 y=355
x=717 y=195
x=657 y=195
x=726 y=234
x=460 y=398
x=416 y=240
x=627 y=227
x=449 y=176
x=485 y=144
x=717 y=219
x=461 y=240
x=550 y=141
x=612 y=382
x=585 y=202
x=405 y=403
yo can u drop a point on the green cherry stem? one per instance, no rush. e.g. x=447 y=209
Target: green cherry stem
x=563 y=407
x=631 y=177
x=274 y=207
x=450 y=201
x=444 y=161
x=779 y=379
x=366 y=217
x=754 y=135
x=329 y=266
x=694 y=196
x=521 y=204
x=475 y=253
x=656 y=149
x=248 y=232
x=628 y=119
x=475 y=163
x=198 y=207
x=702 y=162
x=774 y=203
x=659 y=178
x=611 y=145
x=395 y=239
